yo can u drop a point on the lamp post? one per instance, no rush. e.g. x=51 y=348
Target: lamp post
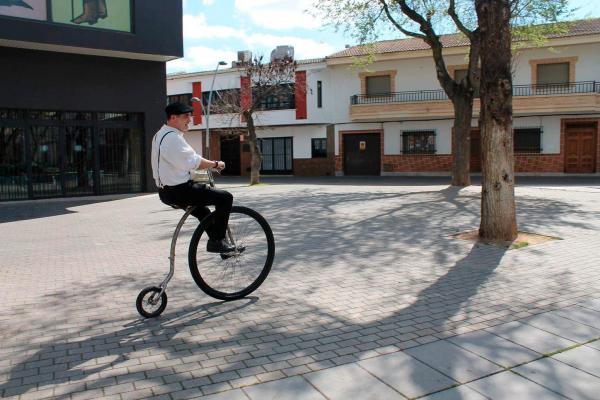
x=207 y=108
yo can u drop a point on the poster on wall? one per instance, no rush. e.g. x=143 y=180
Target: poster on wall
x=30 y=9
x=104 y=14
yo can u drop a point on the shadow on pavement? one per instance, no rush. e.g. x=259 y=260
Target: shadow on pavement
x=33 y=209
x=358 y=230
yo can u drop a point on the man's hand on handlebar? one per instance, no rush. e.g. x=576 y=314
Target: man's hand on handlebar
x=219 y=165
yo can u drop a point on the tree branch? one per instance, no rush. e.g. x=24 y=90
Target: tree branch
x=433 y=40
x=396 y=24
x=461 y=27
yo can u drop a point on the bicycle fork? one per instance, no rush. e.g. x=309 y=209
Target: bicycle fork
x=163 y=286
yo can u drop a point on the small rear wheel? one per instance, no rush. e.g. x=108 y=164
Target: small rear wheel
x=233 y=275
x=149 y=304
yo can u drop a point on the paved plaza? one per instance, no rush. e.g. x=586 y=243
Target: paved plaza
x=369 y=298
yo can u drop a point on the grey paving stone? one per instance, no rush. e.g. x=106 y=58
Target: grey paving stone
x=594 y=345
x=453 y=361
x=235 y=394
x=508 y=385
x=406 y=374
x=462 y=392
x=592 y=304
x=562 y=378
x=582 y=315
x=569 y=329
x=584 y=358
x=531 y=337
x=495 y=348
x=295 y=387
x=350 y=381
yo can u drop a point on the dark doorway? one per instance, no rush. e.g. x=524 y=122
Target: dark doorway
x=580 y=148
x=362 y=154
x=475 y=163
x=230 y=154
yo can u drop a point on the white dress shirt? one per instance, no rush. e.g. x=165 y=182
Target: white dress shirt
x=177 y=157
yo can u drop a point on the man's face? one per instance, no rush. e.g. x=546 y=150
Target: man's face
x=181 y=121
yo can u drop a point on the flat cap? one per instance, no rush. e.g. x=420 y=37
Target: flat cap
x=178 y=108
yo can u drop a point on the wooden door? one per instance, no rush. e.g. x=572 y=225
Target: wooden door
x=362 y=154
x=580 y=148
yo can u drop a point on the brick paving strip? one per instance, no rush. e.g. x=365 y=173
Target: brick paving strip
x=368 y=296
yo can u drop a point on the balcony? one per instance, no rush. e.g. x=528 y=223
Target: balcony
x=527 y=99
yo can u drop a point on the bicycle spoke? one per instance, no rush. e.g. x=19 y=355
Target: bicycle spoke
x=231 y=275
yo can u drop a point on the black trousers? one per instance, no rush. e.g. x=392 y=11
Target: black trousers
x=200 y=195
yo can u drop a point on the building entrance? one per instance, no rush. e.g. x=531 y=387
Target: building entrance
x=230 y=154
x=362 y=154
x=55 y=154
x=580 y=148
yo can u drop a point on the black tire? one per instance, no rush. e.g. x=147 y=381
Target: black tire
x=145 y=308
x=231 y=278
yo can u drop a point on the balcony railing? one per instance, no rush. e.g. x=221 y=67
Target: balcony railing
x=518 y=90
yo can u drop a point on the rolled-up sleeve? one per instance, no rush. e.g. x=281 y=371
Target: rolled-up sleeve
x=180 y=154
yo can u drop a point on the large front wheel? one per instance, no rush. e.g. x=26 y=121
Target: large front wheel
x=234 y=275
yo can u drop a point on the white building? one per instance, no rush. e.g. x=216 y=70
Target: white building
x=392 y=117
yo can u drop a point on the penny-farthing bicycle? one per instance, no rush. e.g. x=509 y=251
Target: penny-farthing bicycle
x=224 y=276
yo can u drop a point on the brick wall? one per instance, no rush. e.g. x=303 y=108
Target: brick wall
x=417 y=163
x=313 y=167
x=539 y=163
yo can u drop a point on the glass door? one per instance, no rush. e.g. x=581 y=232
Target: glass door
x=13 y=164
x=79 y=160
x=45 y=161
x=120 y=160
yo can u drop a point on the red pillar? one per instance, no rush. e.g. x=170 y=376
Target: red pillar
x=197 y=92
x=300 y=95
x=246 y=94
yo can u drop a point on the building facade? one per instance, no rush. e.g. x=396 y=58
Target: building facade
x=83 y=91
x=392 y=117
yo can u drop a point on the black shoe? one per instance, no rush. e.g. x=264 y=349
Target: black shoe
x=219 y=246
x=238 y=251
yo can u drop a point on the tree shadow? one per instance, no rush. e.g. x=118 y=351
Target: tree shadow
x=33 y=209
x=403 y=283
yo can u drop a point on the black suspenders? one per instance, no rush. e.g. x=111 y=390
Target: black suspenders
x=158 y=163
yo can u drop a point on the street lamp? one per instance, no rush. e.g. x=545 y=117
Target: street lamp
x=206 y=109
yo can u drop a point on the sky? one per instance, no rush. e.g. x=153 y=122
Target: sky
x=214 y=30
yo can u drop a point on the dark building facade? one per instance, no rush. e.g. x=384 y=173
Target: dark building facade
x=82 y=91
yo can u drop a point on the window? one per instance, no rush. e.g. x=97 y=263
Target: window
x=460 y=74
x=552 y=73
x=48 y=153
x=319 y=94
x=378 y=85
x=184 y=98
x=418 y=142
x=281 y=98
x=276 y=155
x=220 y=99
x=319 y=148
x=527 y=140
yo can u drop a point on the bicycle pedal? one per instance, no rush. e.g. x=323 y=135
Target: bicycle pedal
x=239 y=250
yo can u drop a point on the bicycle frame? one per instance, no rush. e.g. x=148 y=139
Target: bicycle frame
x=188 y=211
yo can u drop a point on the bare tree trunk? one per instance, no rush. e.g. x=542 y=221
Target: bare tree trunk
x=256 y=156
x=498 y=217
x=461 y=143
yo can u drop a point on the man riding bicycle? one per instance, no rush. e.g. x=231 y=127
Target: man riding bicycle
x=173 y=159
